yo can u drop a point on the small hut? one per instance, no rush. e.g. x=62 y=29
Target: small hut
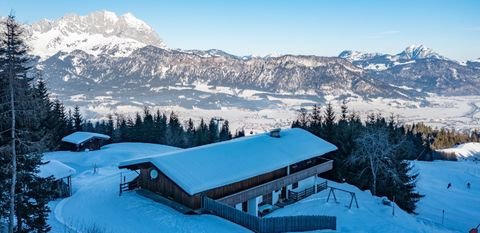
x=82 y=141
x=62 y=175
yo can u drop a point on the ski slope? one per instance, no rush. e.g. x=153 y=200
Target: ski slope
x=95 y=201
x=371 y=216
x=469 y=150
x=461 y=205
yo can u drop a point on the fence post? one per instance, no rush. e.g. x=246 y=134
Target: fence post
x=443 y=215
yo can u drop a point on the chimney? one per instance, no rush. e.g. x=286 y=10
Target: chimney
x=275 y=133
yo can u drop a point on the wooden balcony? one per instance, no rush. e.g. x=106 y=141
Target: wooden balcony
x=277 y=184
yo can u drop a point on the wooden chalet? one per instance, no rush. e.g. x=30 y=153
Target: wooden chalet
x=62 y=175
x=245 y=173
x=82 y=141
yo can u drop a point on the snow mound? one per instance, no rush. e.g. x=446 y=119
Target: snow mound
x=469 y=150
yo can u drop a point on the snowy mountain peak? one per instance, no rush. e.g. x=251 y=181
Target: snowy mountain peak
x=413 y=52
x=95 y=33
x=356 y=55
x=379 y=61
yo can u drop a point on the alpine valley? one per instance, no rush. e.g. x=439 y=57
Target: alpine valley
x=125 y=65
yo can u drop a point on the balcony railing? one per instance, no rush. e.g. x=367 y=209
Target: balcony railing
x=277 y=184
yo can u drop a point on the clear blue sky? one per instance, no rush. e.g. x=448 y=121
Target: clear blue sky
x=320 y=27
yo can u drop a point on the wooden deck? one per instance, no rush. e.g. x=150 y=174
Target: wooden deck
x=276 y=184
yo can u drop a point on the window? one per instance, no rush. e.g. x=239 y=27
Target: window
x=295 y=185
x=267 y=198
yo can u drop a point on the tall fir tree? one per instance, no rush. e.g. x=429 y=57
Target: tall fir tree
x=23 y=136
x=77 y=119
x=213 y=130
x=225 y=132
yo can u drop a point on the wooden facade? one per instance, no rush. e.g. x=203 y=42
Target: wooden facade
x=233 y=193
x=91 y=144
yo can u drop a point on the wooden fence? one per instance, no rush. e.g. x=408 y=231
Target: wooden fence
x=297 y=223
x=274 y=224
x=229 y=213
x=307 y=192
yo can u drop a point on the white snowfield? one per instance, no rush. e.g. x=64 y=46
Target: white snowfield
x=95 y=200
x=80 y=137
x=461 y=204
x=56 y=169
x=465 y=151
x=205 y=167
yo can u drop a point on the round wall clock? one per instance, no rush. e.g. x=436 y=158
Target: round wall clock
x=153 y=174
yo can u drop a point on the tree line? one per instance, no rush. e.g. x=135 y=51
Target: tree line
x=148 y=127
x=372 y=154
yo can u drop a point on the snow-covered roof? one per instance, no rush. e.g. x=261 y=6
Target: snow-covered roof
x=206 y=167
x=80 y=137
x=56 y=169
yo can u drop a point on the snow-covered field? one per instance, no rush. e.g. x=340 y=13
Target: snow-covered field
x=470 y=151
x=461 y=204
x=95 y=201
x=371 y=217
x=241 y=107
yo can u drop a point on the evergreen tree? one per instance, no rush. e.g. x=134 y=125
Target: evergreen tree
x=77 y=119
x=110 y=126
x=175 y=133
x=201 y=137
x=213 y=130
x=147 y=128
x=58 y=123
x=329 y=123
x=225 y=132
x=190 y=133
x=241 y=133
x=160 y=127
x=23 y=136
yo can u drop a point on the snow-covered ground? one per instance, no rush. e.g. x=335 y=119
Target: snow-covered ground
x=465 y=151
x=279 y=110
x=95 y=201
x=461 y=204
x=372 y=216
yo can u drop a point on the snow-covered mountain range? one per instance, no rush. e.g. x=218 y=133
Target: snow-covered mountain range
x=379 y=61
x=101 y=32
x=102 y=50
x=106 y=63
